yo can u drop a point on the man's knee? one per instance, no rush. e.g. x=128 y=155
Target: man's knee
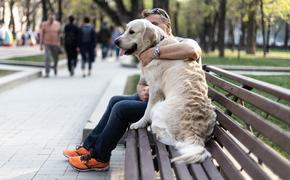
x=114 y=100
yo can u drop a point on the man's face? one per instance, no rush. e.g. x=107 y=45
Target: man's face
x=157 y=21
x=51 y=18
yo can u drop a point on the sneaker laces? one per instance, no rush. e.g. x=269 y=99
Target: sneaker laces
x=85 y=158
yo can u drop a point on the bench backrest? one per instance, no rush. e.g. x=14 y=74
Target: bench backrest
x=243 y=141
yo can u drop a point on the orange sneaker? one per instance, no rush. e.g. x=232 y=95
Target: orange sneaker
x=79 y=151
x=87 y=163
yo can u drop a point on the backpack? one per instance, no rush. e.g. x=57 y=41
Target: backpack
x=87 y=34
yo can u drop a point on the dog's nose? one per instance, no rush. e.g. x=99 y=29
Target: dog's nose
x=117 y=42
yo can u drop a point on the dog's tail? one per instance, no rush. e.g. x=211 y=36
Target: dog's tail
x=191 y=153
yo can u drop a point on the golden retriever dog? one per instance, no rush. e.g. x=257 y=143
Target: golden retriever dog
x=179 y=110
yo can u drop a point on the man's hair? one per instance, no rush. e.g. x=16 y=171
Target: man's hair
x=71 y=18
x=161 y=12
x=86 y=19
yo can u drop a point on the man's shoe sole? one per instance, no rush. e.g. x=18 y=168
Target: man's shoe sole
x=92 y=169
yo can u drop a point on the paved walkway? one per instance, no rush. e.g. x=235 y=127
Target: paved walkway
x=41 y=118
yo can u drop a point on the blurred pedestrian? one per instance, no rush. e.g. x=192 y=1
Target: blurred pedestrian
x=2 y=33
x=71 y=35
x=115 y=34
x=87 y=45
x=105 y=39
x=50 y=40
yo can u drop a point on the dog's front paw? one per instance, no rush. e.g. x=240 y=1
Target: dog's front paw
x=138 y=125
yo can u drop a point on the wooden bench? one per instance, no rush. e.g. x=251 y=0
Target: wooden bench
x=237 y=145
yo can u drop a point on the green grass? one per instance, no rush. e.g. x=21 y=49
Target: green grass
x=131 y=84
x=281 y=80
x=275 y=58
x=5 y=72
x=34 y=58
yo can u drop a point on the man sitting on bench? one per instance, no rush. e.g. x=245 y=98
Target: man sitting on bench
x=95 y=152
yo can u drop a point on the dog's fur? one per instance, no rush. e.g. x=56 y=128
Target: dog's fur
x=179 y=109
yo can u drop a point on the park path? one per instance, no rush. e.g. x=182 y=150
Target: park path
x=41 y=118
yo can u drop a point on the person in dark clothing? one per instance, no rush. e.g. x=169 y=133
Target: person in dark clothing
x=87 y=45
x=105 y=39
x=71 y=34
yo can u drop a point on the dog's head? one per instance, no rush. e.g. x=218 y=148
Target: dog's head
x=140 y=35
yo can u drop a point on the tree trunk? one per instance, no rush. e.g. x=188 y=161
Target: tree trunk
x=60 y=13
x=27 y=4
x=2 y=10
x=286 y=37
x=251 y=30
x=231 y=40
x=164 y=4
x=34 y=21
x=175 y=18
x=221 y=30
x=12 y=22
x=44 y=10
x=204 y=35
x=136 y=7
x=263 y=27
x=268 y=37
x=212 y=41
x=119 y=16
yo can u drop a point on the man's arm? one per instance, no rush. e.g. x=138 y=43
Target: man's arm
x=187 y=49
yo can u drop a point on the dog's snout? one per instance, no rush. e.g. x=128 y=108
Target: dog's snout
x=117 y=42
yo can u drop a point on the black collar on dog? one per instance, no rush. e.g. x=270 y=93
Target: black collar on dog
x=155 y=43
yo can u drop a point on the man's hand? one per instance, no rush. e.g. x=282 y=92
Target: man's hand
x=146 y=56
x=143 y=92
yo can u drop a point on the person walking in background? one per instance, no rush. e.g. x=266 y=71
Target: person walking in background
x=50 y=41
x=2 y=33
x=105 y=39
x=115 y=34
x=71 y=35
x=87 y=45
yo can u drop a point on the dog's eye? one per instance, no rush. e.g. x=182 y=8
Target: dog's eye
x=131 y=32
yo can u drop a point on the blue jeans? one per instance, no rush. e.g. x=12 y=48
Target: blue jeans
x=120 y=112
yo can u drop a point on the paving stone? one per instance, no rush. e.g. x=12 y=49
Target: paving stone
x=41 y=118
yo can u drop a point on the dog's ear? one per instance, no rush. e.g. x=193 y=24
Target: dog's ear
x=151 y=35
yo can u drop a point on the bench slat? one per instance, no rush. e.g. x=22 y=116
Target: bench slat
x=281 y=93
x=198 y=171
x=146 y=160
x=225 y=163
x=131 y=157
x=244 y=160
x=211 y=170
x=273 y=132
x=163 y=161
x=273 y=108
x=280 y=166
x=180 y=169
